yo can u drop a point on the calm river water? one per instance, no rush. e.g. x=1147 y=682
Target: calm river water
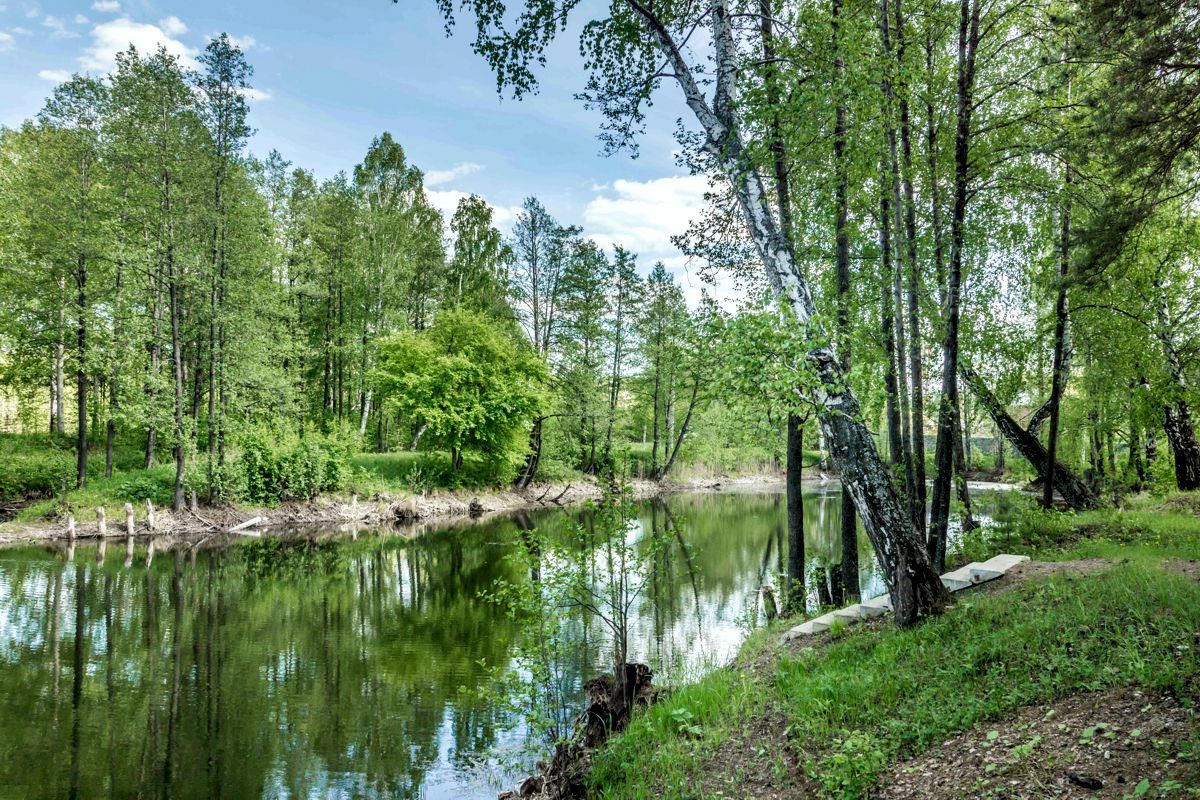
x=331 y=666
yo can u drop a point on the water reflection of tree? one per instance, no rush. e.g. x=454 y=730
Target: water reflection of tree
x=325 y=667
x=337 y=677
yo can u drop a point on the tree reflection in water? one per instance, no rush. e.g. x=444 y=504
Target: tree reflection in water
x=326 y=666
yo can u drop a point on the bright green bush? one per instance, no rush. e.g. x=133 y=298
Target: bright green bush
x=286 y=467
x=155 y=485
x=40 y=473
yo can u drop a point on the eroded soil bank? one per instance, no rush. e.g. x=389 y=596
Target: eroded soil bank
x=409 y=513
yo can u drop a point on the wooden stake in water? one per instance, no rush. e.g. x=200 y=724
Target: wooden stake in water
x=149 y=515
x=102 y=531
x=150 y=554
x=129 y=530
x=70 y=537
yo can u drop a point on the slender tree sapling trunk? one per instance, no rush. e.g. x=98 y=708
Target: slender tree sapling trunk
x=897 y=304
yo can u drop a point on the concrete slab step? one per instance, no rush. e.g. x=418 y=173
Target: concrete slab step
x=971 y=574
x=869 y=611
x=853 y=613
x=820 y=624
x=981 y=575
x=1003 y=563
x=883 y=602
x=957 y=580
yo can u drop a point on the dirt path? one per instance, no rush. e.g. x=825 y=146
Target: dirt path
x=1101 y=744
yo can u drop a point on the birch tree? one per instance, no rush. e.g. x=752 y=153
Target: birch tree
x=631 y=52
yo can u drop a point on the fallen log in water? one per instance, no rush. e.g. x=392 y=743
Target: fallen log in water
x=247 y=524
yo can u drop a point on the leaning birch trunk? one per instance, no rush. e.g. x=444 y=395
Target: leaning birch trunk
x=1073 y=490
x=915 y=587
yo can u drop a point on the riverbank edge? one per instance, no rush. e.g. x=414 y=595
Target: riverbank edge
x=421 y=513
x=1092 y=546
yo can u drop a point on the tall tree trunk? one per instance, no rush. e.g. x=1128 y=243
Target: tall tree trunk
x=81 y=376
x=114 y=380
x=532 y=459
x=887 y=311
x=916 y=589
x=1136 y=466
x=935 y=201
x=173 y=289
x=58 y=412
x=968 y=39
x=657 y=381
x=212 y=369
x=364 y=413
x=964 y=494
x=1151 y=452
x=1058 y=369
x=902 y=349
x=916 y=366
x=1000 y=448
x=794 y=599
x=687 y=418
x=1181 y=436
x=155 y=360
x=1177 y=415
x=849 y=526
x=614 y=386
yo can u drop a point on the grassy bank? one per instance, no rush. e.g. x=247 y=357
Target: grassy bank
x=37 y=476
x=836 y=717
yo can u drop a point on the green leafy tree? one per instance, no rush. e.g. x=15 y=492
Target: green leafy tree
x=467 y=382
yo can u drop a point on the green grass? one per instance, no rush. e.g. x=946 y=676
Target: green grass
x=874 y=696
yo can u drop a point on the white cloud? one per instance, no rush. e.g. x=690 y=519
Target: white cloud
x=33 y=12
x=80 y=19
x=19 y=31
x=54 y=75
x=114 y=36
x=446 y=201
x=642 y=216
x=256 y=95
x=107 y=6
x=6 y=42
x=173 y=26
x=438 y=177
x=58 y=28
x=242 y=43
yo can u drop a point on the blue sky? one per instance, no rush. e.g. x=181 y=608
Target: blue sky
x=329 y=76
